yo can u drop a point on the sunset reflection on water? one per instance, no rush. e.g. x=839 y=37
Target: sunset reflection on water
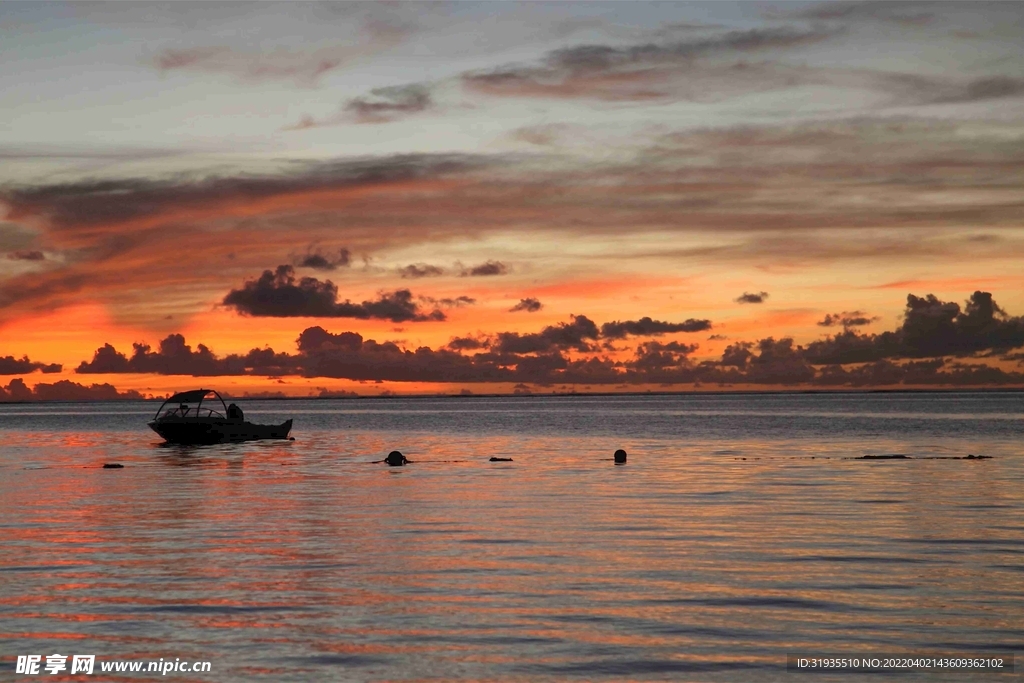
x=703 y=558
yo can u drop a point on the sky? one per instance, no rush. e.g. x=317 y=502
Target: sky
x=309 y=199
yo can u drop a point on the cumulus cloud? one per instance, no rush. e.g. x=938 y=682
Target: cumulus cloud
x=568 y=353
x=646 y=327
x=9 y=365
x=931 y=329
x=530 y=305
x=64 y=390
x=755 y=298
x=563 y=336
x=279 y=294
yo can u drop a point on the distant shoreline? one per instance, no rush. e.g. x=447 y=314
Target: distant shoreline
x=766 y=392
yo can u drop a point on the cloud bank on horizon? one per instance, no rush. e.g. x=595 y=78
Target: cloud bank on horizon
x=446 y=168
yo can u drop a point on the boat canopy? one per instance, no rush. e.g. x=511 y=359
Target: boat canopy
x=194 y=396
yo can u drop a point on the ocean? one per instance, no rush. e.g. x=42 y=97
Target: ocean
x=744 y=529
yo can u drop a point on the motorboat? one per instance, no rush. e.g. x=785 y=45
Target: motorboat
x=185 y=419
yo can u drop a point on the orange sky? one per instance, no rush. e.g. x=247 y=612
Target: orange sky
x=661 y=199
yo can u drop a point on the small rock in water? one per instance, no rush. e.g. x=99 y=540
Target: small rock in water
x=493 y=459
x=396 y=459
x=620 y=456
x=112 y=466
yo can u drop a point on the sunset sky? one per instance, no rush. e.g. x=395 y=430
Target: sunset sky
x=497 y=197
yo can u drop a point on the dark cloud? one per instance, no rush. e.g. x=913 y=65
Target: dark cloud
x=449 y=302
x=348 y=355
x=279 y=294
x=859 y=11
x=748 y=298
x=847 y=319
x=388 y=104
x=89 y=202
x=321 y=261
x=486 y=269
x=992 y=88
x=638 y=72
x=64 y=390
x=26 y=255
x=418 y=270
x=931 y=329
x=9 y=365
x=563 y=336
x=541 y=358
x=530 y=305
x=654 y=355
x=646 y=327
x=468 y=343
x=175 y=357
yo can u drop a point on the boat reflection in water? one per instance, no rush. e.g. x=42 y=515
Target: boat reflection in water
x=188 y=421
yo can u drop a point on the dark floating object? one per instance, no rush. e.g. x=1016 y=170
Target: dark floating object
x=884 y=457
x=184 y=424
x=493 y=459
x=620 y=457
x=113 y=466
x=396 y=459
x=977 y=457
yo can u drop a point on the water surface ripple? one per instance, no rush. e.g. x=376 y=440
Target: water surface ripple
x=742 y=528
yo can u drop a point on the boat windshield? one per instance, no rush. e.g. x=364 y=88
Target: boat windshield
x=184 y=410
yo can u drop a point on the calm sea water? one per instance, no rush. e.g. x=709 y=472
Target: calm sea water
x=741 y=529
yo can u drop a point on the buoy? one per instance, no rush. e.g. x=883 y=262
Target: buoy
x=395 y=459
x=112 y=466
x=620 y=457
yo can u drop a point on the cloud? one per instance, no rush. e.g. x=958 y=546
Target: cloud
x=784 y=195
x=646 y=327
x=387 y=104
x=26 y=255
x=468 y=343
x=931 y=329
x=64 y=390
x=530 y=305
x=486 y=269
x=748 y=298
x=449 y=302
x=563 y=336
x=320 y=261
x=278 y=294
x=418 y=270
x=566 y=354
x=647 y=71
x=898 y=12
x=9 y=365
x=847 y=319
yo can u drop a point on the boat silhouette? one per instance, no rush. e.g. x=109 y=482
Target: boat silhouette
x=188 y=421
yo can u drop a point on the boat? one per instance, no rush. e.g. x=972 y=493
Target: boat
x=188 y=421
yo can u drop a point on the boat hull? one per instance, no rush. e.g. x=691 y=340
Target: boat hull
x=214 y=430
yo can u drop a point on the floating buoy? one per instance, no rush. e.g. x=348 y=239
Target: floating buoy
x=396 y=459
x=112 y=466
x=620 y=457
